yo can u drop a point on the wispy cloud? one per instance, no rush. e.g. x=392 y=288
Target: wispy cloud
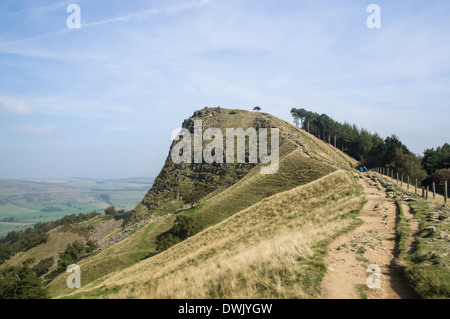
x=39 y=10
x=13 y=106
x=44 y=131
x=149 y=12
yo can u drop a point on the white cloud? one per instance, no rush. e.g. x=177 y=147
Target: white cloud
x=12 y=106
x=45 y=131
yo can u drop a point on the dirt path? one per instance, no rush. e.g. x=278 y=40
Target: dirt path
x=372 y=243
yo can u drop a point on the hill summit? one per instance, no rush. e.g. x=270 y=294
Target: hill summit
x=180 y=185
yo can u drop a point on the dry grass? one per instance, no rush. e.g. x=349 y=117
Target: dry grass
x=265 y=251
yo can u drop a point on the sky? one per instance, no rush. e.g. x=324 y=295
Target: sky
x=102 y=100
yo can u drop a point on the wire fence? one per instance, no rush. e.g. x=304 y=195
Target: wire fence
x=427 y=192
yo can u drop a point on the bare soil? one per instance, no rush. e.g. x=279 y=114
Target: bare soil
x=372 y=243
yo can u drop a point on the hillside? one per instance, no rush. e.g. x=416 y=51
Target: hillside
x=176 y=181
x=238 y=209
x=271 y=249
x=303 y=159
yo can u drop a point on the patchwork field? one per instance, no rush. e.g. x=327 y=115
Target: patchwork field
x=25 y=203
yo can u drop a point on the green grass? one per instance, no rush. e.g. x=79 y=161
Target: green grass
x=252 y=253
x=24 y=200
x=402 y=229
x=294 y=170
x=427 y=275
x=362 y=291
x=5 y=229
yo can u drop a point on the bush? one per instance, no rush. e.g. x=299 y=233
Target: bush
x=111 y=210
x=184 y=227
x=166 y=242
x=72 y=254
x=21 y=283
x=42 y=267
x=440 y=176
x=91 y=246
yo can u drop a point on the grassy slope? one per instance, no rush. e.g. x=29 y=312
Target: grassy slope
x=295 y=170
x=427 y=268
x=302 y=161
x=271 y=249
x=175 y=180
x=58 y=240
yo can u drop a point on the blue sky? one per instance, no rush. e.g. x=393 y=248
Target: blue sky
x=101 y=101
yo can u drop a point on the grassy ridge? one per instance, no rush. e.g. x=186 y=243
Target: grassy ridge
x=268 y=250
x=303 y=159
x=295 y=170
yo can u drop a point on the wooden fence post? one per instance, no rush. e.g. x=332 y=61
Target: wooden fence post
x=434 y=190
x=445 y=192
x=401 y=184
x=408 y=183
x=428 y=188
x=416 y=187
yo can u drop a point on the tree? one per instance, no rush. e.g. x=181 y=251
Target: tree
x=167 y=242
x=184 y=227
x=434 y=160
x=72 y=254
x=294 y=113
x=21 y=283
x=111 y=210
x=257 y=108
x=43 y=266
x=440 y=176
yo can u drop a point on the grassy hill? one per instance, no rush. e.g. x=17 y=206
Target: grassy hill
x=303 y=160
x=262 y=235
x=272 y=249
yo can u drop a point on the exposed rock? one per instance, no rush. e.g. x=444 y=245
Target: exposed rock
x=124 y=234
x=433 y=255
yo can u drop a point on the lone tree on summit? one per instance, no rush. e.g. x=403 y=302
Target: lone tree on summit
x=257 y=108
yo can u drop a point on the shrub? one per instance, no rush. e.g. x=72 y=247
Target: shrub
x=21 y=283
x=184 y=227
x=42 y=267
x=166 y=242
x=72 y=254
x=440 y=176
x=111 y=210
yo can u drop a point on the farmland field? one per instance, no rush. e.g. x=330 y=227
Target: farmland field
x=26 y=202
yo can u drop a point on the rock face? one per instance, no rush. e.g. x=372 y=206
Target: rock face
x=184 y=184
x=103 y=244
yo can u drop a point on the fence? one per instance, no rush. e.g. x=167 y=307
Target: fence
x=425 y=191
